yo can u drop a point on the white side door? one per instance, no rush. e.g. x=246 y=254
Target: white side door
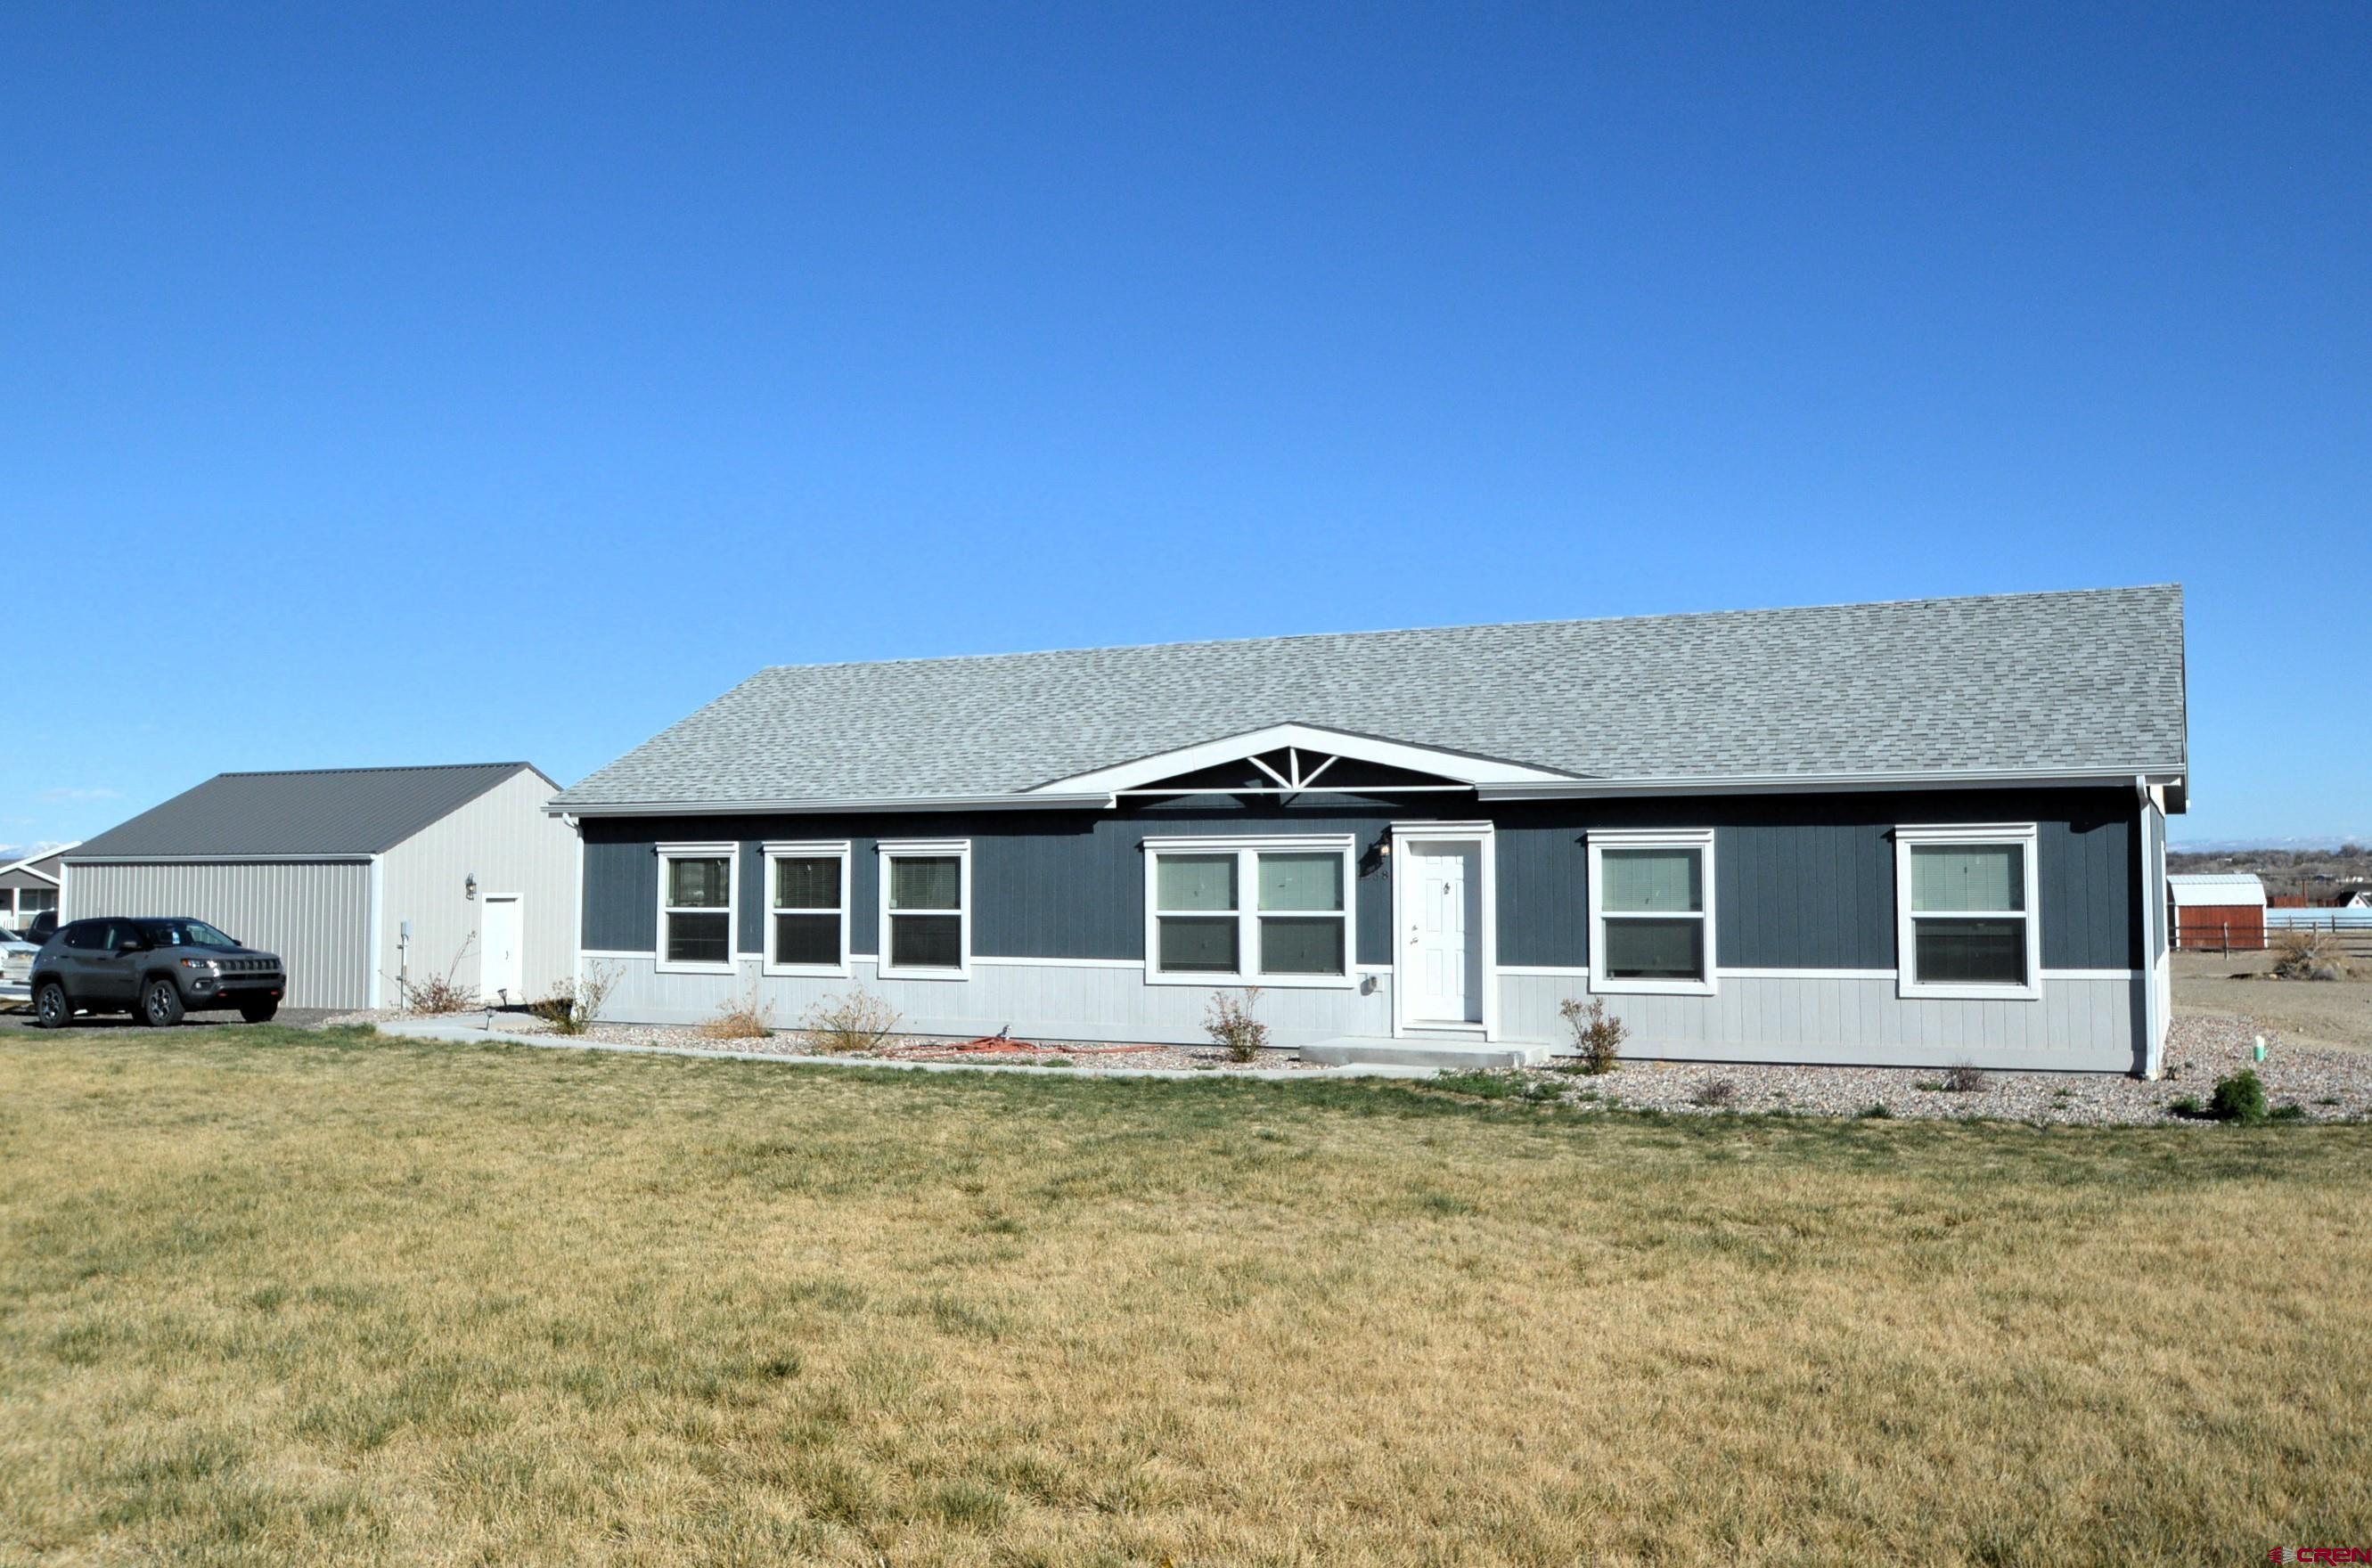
x=1441 y=951
x=502 y=966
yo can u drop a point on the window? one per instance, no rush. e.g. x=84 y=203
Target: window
x=806 y=909
x=1964 y=904
x=1276 y=911
x=32 y=901
x=1651 y=911
x=926 y=908
x=697 y=888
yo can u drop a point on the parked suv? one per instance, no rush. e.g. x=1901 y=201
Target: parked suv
x=154 y=970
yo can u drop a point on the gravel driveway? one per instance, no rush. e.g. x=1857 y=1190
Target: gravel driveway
x=18 y=1017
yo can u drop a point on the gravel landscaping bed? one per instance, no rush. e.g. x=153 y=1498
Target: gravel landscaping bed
x=2326 y=1085
x=899 y=1048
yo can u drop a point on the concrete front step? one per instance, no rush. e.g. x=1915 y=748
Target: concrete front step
x=1374 y=1050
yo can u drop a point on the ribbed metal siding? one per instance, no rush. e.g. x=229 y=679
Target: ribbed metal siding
x=315 y=915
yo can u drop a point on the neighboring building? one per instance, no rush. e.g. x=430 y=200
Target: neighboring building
x=362 y=879
x=29 y=886
x=2361 y=898
x=2220 y=910
x=1925 y=832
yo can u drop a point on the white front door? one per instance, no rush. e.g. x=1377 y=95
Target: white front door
x=1441 y=949
x=502 y=969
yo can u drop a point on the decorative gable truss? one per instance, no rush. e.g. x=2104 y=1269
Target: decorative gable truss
x=1289 y=760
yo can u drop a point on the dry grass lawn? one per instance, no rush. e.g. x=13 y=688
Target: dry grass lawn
x=2237 y=986
x=271 y=1298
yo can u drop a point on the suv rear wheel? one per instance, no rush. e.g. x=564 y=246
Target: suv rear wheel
x=52 y=1007
x=160 y=1003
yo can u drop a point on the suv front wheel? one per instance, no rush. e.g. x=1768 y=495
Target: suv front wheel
x=52 y=1007
x=160 y=1003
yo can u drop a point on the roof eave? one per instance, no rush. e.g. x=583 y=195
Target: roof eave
x=339 y=858
x=1826 y=783
x=1555 y=789
x=1087 y=800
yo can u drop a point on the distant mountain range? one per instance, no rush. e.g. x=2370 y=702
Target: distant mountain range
x=2309 y=844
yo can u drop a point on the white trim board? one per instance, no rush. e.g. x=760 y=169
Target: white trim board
x=1247 y=850
x=1698 y=840
x=1484 y=836
x=2025 y=836
x=729 y=852
x=840 y=850
x=888 y=851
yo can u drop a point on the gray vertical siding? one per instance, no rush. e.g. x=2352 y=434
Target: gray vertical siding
x=1801 y=881
x=316 y=915
x=1045 y=884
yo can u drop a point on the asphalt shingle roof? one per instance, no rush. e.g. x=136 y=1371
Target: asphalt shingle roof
x=2087 y=679
x=325 y=812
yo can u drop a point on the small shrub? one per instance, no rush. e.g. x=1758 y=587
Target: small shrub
x=1963 y=1079
x=2187 y=1105
x=2241 y=1097
x=1929 y=1085
x=1715 y=1093
x=745 y=1017
x=439 y=992
x=1876 y=1112
x=1232 y=1027
x=1597 y=1034
x=574 y=1005
x=2308 y=955
x=2286 y=1114
x=845 y=1025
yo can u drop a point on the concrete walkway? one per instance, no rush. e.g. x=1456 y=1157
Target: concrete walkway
x=444 y=1030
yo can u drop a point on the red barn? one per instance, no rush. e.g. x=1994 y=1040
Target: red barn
x=2217 y=909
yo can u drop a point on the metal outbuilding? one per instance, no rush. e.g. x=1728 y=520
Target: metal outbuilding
x=2217 y=909
x=365 y=880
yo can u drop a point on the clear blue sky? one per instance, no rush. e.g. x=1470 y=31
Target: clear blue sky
x=396 y=384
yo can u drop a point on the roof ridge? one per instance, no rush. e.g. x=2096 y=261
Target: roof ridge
x=394 y=768
x=1488 y=626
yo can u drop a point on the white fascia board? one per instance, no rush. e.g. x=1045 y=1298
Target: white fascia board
x=1807 y=783
x=1084 y=800
x=55 y=851
x=1457 y=765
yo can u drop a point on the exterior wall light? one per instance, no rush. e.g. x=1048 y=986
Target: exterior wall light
x=470 y=886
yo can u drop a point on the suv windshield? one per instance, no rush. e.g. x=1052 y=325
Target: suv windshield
x=183 y=934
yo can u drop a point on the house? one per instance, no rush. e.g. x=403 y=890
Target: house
x=2360 y=899
x=1926 y=833
x=365 y=880
x=2217 y=909
x=29 y=886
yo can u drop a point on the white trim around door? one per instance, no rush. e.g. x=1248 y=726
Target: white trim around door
x=1410 y=840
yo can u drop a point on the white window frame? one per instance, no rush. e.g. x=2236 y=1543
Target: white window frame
x=834 y=850
x=1603 y=839
x=1247 y=851
x=731 y=854
x=1906 y=945
x=889 y=850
